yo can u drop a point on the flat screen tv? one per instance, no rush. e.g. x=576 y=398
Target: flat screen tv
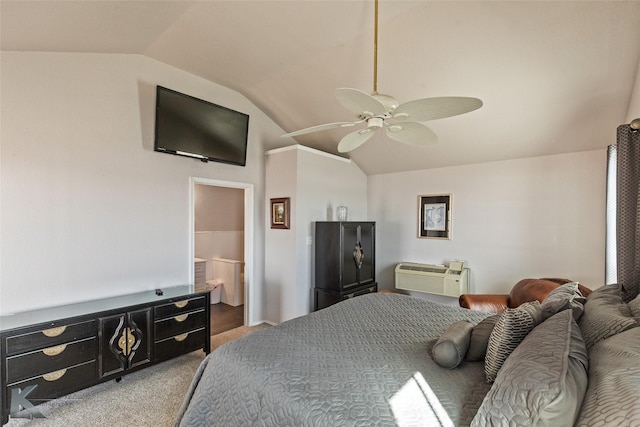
x=192 y=127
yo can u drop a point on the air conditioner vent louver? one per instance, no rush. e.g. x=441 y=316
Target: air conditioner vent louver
x=425 y=268
x=432 y=279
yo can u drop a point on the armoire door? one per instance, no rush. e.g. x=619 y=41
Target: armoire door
x=358 y=254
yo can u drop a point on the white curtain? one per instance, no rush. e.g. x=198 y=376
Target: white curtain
x=611 y=260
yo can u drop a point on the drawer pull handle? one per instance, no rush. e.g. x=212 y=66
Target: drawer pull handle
x=182 y=337
x=54 y=376
x=181 y=318
x=54 y=332
x=54 y=351
x=182 y=304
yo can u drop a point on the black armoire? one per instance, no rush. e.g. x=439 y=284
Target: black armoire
x=344 y=261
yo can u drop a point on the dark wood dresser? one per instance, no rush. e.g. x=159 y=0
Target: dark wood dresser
x=345 y=267
x=55 y=351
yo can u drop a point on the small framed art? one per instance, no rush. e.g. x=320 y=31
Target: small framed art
x=434 y=216
x=280 y=213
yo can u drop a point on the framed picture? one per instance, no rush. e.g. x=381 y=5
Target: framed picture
x=434 y=216
x=280 y=213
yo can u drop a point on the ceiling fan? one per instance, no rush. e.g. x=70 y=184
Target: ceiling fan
x=400 y=121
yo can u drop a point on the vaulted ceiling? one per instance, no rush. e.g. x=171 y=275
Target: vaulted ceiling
x=554 y=76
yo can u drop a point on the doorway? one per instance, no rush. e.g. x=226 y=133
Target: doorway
x=221 y=218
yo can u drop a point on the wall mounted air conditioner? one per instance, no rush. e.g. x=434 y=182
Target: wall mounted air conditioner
x=451 y=281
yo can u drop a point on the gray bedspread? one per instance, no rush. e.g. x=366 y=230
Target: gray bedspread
x=363 y=362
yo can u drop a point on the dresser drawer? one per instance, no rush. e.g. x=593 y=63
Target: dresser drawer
x=181 y=344
x=35 y=363
x=50 y=337
x=179 y=324
x=179 y=307
x=54 y=384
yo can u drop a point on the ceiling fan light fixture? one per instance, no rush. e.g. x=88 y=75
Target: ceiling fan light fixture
x=375 y=122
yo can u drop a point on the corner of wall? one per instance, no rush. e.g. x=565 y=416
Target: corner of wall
x=633 y=111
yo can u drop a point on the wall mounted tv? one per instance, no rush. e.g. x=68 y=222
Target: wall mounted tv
x=192 y=127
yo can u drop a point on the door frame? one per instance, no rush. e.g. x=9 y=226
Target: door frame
x=248 y=236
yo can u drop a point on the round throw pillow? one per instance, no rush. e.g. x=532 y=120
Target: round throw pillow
x=451 y=347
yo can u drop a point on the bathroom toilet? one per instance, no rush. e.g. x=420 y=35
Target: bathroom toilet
x=230 y=273
x=215 y=286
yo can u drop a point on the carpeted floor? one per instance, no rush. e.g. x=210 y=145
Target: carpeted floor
x=149 y=397
x=218 y=340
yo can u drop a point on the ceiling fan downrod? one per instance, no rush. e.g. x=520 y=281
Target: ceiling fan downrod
x=388 y=101
x=375 y=49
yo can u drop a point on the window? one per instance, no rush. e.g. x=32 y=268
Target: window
x=611 y=265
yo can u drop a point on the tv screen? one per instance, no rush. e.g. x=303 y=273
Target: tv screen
x=192 y=127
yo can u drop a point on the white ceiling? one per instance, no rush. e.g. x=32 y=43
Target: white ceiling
x=555 y=76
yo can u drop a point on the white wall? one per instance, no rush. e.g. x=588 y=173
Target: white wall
x=218 y=224
x=511 y=220
x=324 y=183
x=88 y=208
x=218 y=244
x=634 y=104
x=280 y=247
x=317 y=183
x=218 y=208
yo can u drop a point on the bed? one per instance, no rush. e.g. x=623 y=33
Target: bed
x=362 y=362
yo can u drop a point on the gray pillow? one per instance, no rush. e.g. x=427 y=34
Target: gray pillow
x=512 y=327
x=451 y=347
x=480 y=339
x=634 y=306
x=614 y=382
x=543 y=381
x=605 y=315
x=564 y=297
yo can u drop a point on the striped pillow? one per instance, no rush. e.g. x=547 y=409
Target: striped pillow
x=510 y=330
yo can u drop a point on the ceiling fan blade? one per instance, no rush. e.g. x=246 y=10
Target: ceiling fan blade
x=320 y=128
x=359 y=103
x=421 y=110
x=412 y=133
x=355 y=139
